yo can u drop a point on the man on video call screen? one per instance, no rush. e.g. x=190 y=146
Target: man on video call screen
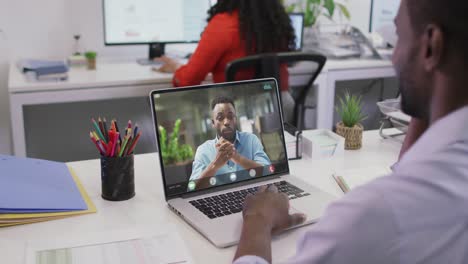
x=219 y=134
x=231 y=150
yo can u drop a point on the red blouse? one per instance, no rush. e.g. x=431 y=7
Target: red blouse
x=220 y=44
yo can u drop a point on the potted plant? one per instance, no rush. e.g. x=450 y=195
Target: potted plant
x=91 y=59
x=177 y=157
x=350 y=111
x=312 y=10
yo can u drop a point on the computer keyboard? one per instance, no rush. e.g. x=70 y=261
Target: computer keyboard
x=232 y=202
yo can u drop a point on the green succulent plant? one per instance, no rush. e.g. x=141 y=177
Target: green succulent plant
x=313 y=9
x=350 y=110
x=90 y=54
x=172 y=152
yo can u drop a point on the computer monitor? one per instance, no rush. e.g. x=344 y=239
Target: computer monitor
x=297 y=21
x=383 y=12
x=154 y=22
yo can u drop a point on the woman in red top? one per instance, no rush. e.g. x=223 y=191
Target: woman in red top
x=236 y=28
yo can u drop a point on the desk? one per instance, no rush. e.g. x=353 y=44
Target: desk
x=125 y=80
x=148 y=207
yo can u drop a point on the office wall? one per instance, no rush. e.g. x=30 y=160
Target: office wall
x=45 y=29
x=31 y=29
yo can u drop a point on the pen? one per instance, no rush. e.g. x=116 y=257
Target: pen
x=344 y=183
x=340 y=183
x=135 y=130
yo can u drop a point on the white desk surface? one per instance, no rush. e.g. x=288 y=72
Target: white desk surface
x=148 y=207
x=107 y=74
x=131 y=74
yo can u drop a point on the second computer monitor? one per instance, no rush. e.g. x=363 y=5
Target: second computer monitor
x=297 y=21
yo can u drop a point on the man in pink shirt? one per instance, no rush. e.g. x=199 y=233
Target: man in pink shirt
x=419 y=214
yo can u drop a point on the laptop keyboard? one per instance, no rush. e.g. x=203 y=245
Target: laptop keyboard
x=232 y=202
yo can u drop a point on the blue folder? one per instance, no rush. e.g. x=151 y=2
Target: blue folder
x=44 y=67
x=37 y=186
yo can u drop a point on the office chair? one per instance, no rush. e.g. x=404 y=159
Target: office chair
x=268 y=65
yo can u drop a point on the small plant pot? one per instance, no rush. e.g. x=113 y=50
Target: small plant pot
x=352 y=135
x=91 y=62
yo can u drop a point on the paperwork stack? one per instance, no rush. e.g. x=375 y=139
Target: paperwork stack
x=33 y=190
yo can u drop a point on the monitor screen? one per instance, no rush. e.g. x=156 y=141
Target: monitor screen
x=220 y=134
x=383 y=12
x=150 y=21
x=297 y=20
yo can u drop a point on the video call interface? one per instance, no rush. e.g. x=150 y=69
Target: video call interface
x=219 y=135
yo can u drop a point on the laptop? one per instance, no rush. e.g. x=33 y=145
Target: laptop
x=219 y=143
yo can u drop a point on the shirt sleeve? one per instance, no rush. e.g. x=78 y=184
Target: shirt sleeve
x=199 y=163
x=357 y=229
x=213 y=44
x=250 y=260
x=258 y=153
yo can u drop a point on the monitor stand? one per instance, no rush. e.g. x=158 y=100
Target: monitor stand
x=156 y=50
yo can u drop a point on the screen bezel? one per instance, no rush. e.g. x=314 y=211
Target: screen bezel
x=215 y=86
x=139 y=43
x=301 y=46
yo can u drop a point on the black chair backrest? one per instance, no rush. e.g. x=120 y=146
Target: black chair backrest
x=268 y=65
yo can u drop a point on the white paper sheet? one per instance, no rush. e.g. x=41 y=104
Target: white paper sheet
x=156 y=248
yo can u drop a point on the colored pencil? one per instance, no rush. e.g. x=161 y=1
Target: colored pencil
x=117 y=129
x=96 y=126
x=95 y=142
x=101 y=128
x=132 y=146
x=124 y=144
x=106 y=134
x=116 y=136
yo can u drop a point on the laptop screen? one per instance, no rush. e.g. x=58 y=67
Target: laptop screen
x=214 y=135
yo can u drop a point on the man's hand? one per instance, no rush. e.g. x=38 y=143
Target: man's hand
x=264 y=213
x=224 y=152
x=272 y=208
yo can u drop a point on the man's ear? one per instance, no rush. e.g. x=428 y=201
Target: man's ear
x=434 y=47
x=212 y=123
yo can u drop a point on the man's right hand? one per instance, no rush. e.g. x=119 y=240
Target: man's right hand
x=271 y=210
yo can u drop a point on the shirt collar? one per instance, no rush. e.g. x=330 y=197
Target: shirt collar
x=450 y=129
x=236 y=142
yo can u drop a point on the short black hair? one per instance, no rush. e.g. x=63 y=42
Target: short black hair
x=222 y=100
x=450 y=15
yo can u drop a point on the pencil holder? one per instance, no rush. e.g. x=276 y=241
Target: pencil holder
x=117 y=178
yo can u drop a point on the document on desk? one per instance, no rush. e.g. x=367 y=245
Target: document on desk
x=162 y=248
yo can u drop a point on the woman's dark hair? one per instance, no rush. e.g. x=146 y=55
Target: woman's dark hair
x=264 y=24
